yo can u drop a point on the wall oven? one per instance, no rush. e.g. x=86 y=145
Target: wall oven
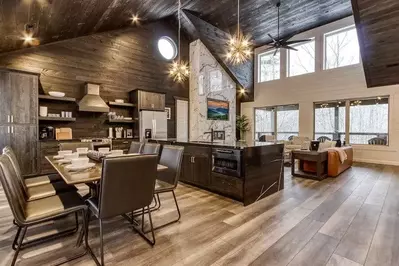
x=227 y=162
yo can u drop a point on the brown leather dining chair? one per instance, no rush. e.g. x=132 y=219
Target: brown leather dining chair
x=64 y=146
x=135 y=147
x=167 y=180
x=27 y=214
x=127 y=184
x=31 y=180
x=151 y=148
x=38 y=191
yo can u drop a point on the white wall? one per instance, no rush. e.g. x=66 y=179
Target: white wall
x=202 y=63
x=323 y=85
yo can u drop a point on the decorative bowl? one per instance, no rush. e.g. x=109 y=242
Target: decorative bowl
x=56 y=94
x=119 y=101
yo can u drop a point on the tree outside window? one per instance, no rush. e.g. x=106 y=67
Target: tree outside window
x=269 y=66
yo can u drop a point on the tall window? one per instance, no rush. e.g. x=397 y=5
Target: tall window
x=302 y=61
x=279 y=121
x=329 y=120
x=269 y=66
x=341 y=48
x=369 y=121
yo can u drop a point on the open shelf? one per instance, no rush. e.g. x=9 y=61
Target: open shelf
x=60 y=99
x=120 y=121
x=129 y=105
x=59 y=119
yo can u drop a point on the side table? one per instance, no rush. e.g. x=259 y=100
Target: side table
x=319 y=158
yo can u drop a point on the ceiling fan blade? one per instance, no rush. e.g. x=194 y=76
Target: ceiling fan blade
x=271 y=37
x=275 y=52
x=289 y=47
x=298 y=41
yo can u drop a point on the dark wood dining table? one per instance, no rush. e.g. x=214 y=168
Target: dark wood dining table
x=91 y=175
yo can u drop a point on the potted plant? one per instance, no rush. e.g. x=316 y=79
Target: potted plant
x=242 y=125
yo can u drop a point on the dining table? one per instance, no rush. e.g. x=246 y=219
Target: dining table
x=87 y=176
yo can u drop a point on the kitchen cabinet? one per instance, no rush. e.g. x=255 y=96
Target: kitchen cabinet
x=47 y=148
x=150 y=100
x=196 y=165
x=227 y=185
x=19 y=117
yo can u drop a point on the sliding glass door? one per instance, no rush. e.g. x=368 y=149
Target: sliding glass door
x=279 y=121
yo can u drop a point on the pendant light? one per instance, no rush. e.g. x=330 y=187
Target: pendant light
x=179 y=70
x=239 y=46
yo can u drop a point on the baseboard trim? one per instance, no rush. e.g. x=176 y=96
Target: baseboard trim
x=396 y=163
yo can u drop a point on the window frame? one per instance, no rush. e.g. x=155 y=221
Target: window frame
x=288 y=66
x=337 y=31
x=275 y=107
x=347 y=118
x=260 y=68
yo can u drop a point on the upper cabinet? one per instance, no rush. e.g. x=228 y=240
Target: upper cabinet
x=149 y=100
x=24 y=98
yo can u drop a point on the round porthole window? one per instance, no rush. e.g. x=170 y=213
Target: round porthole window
x=167 y=48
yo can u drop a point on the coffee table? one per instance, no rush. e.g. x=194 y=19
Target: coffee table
x=319 y=158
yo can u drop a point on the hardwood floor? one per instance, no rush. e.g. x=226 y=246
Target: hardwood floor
x=350 y=220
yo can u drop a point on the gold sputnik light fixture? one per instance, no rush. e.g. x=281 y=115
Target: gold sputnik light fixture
x=239 y=45
x=179 y=70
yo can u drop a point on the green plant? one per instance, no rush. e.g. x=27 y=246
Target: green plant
x=243 y=125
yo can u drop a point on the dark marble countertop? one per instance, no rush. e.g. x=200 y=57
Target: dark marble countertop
x=222 y=144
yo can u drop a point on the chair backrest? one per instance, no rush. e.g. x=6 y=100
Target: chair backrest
x=323 y=138
x=73 y=145
x=291 y=137
x=8 y=151
x=377 y=141
x=135 y=147
x=127 y=184
x=171 y=157
x=151 y=148
x=13 y=191
x=267 y=138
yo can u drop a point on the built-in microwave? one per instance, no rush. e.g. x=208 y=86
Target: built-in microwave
x=227 y=162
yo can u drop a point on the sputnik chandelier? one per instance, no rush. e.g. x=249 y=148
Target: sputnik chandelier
x=239 y=45
x=179 y=70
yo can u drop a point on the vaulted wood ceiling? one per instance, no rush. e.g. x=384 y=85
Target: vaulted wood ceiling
x=378 y=30
x=57 y=20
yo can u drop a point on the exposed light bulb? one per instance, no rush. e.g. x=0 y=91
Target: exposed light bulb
x=135 y=18
x=242 y=90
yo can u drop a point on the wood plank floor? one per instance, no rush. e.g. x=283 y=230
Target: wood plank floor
x=351 y=220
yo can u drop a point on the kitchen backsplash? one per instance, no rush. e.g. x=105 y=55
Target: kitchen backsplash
x=209 y=80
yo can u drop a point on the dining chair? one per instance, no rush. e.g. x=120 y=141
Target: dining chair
x=27 y=214
x=323 y=139
x=151 y=148
x=135 y=147
x=377 y=141
x=30 y=180
x=74 y=145
x=127 y=184
x=40 y=191
x=167 y=180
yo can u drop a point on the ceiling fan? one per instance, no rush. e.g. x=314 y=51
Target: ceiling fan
x=283 y=43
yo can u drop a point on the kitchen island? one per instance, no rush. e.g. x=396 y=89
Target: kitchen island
x=246 y=172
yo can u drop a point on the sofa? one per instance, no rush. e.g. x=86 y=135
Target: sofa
x=297 y=143
x=335 y=167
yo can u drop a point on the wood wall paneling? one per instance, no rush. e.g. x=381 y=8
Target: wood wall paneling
x=121 y=61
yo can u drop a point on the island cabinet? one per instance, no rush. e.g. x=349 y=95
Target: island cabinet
x=196 y=165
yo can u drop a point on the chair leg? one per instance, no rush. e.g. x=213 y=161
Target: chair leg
x=151 y=225
x=141 y=232
x=177 y=206
x=101 y=242
x=19 y=246
x=14 y=243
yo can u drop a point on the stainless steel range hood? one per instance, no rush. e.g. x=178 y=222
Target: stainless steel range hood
x=92 y=102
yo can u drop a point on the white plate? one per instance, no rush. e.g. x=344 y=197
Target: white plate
x=56 y=94
x=57 y=157
x=64 y=161
x=72 y=167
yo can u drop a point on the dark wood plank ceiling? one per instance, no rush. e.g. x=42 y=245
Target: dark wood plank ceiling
x=378 y=30
x=57 y=20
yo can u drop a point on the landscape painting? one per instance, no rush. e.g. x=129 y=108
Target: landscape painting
x=218 y=110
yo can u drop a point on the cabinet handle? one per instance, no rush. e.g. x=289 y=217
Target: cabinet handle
x=8 y=129
x=12 y=129
x=12 y=119
x=193 y=159
x=8 y=119
x=125 y=142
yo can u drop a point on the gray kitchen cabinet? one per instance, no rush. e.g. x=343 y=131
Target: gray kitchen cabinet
x=151 y=101
x=19 y=117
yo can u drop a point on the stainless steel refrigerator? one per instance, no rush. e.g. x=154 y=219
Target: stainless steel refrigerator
x=156 y=122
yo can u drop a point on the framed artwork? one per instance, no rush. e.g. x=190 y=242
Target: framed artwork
x=168 y=111
x=218 y=109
